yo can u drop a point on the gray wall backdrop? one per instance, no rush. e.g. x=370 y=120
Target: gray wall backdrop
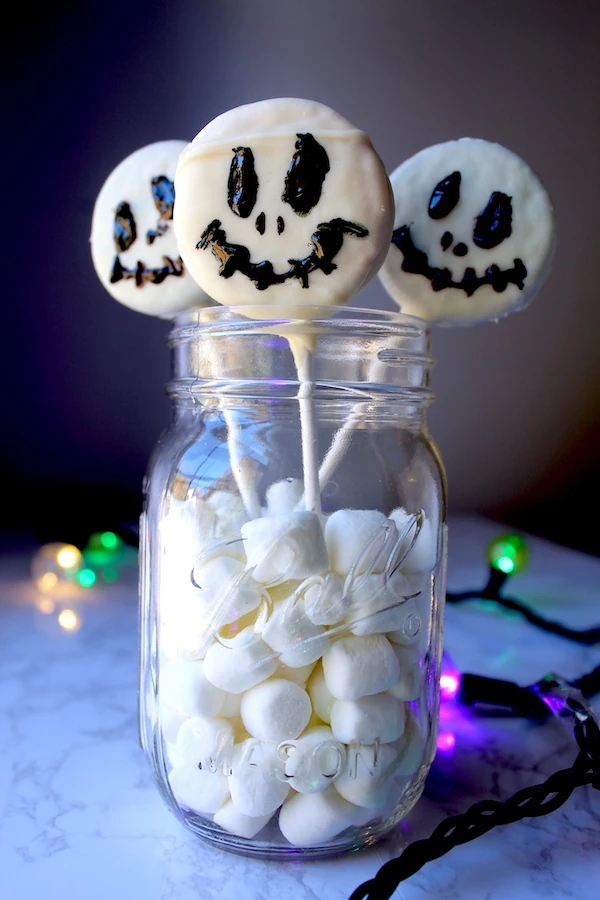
x=518 y=403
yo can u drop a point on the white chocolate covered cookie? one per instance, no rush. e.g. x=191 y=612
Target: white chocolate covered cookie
x=133 y=244
x=282 y=202
x=473 y=233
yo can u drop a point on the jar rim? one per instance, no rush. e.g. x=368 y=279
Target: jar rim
x=310 y=319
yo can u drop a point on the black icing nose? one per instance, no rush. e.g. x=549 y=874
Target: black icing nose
x=261 y=223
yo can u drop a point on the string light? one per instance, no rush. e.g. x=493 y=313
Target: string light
x=55 y=568
x=509 y=554
x=69 y=620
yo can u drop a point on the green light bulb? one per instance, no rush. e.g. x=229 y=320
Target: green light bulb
x=508 y=553
x=110 y=540
x=86 y=577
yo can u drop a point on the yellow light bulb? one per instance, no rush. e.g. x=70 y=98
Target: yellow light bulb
x=46 y=582
x=45 y=605
x=68 y=557
x=69 y=620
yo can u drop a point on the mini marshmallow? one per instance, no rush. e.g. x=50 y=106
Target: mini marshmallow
x=235 y=822
x=423 y=556
x=368 y=719
x=320 y=696
x=284 y=547
x=276 y=710
x=325 y=601
x=205 y=742
x=172 y=754
x=230 y=512
x=291 y=633
x=408 y=686
x=377 y=604
x=241 y=663
x=199 y=790
x=283 y=496
x=170 y=723
x=360 y=666
x=314 y=760
x=225 y=590
x=184 y=687
x=350 y=534
x=411 y=748
x=299 y=675
x=369 y=777
x=256 y=789
x=308 y=820
x=231 y=706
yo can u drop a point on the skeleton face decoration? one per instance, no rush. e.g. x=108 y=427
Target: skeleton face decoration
x=473 y=234
x=282 y=202
x=133 y=244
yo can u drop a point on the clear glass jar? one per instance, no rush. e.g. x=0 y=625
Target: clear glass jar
x=291 y=640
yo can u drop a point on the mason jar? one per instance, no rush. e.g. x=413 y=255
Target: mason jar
x=293 y=552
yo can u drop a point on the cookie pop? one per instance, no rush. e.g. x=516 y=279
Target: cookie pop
x=284 y=204
x=132 y=241
x=473 y=233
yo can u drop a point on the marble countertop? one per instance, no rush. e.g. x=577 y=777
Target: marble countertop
x=80 y=818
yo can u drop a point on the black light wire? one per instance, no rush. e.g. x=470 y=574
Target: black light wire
x=528 y=702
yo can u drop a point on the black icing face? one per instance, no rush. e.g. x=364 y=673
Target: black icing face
x=301 y=193
x=491 y=227
x=125 y=234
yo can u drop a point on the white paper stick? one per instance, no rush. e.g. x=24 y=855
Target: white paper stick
x=303 y=357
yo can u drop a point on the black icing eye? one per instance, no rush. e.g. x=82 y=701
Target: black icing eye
x=445 y=196
x=242 y=186
x=125 y=231
x=163 y=194
x=305 y=176
x=494 y=224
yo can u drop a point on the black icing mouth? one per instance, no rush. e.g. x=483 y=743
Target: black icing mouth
x=141 y=274
x=326 y=243
x=416 y=262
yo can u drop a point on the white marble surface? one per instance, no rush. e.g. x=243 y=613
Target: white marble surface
x=80 y=818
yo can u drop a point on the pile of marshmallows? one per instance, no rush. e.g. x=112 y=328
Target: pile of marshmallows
x=290 y=659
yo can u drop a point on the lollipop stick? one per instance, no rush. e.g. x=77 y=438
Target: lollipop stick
x=303 y=357
x=241 y=473
x=341 y=439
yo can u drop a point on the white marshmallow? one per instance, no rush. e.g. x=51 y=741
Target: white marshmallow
x=283 y=496
x=325 y=601
x=276 y=710
x=231 y=706
x=368 y=719
x=423 y=556
x=360 y=666
x=299 y=675
x=313 y=761
x=291 y=633
x=279 y=548
x=408 y=686
x=244 y=661
x=353 y=538
x=256 y=784
x=320 y=696
x=198 y=789
x=230 y=512
x=309 y=820
x=225 y=591
x=184 y=687
x=172 y=755
x=170 y=723
x=235 y=822
x=205 y=742
x=411 y=748
x=369 y=777
x=378 y=605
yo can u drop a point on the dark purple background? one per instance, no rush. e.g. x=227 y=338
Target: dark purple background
x=518 y=403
